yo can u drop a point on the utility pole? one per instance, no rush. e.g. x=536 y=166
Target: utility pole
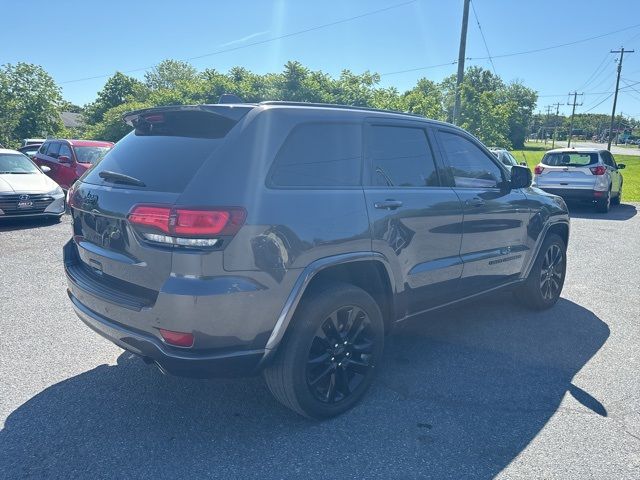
x=618 y=128
x=555 y=125
x=573 y=112
x=461 y=55
x=615 y=96
x=546 y=122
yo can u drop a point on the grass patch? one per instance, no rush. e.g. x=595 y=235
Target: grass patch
x=533 y=153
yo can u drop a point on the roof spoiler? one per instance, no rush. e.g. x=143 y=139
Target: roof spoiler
x=229 y=98
x=231 y=112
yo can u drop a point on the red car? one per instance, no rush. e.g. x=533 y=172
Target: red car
x=69 y=159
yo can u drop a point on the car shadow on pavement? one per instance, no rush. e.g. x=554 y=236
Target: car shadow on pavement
x=460 y=394
x=624 y=211
x=9 y=224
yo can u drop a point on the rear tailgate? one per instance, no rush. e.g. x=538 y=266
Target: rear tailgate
x=150 y=166
x=567 y=170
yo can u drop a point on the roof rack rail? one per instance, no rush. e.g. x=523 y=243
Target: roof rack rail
x=336 y=105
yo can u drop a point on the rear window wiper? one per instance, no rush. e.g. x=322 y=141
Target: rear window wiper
x=116 y=177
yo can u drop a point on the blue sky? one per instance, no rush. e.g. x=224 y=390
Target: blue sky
x=79 y=39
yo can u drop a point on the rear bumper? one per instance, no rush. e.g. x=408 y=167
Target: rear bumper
x=170 y=360
x=575 y=194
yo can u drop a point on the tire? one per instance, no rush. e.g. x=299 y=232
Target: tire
x=321 y=379
x=604 y=205
x=618 y=198
x=543 y=286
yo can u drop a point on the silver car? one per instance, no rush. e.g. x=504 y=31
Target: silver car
x=581 y=174
x=25 y=190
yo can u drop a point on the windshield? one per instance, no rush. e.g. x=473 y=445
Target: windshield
x=91 y=154
x=569 y=159
x=16 y=163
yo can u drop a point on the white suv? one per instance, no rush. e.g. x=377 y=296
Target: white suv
x=581 y=174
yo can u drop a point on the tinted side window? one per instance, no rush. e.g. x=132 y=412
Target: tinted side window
x=319 y=155
x=401 y=157
x=65 y=150
x=608 y=159
x=53 y=149
x=43 y=148
x=469 y=166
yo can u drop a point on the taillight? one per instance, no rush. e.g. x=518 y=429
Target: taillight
x=599 y=170
x=538 y=170
x=182 y=224
x=153 y=217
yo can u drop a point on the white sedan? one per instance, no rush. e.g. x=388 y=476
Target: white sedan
x=25 y=190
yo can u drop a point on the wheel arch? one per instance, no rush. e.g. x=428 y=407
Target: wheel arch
x=368 y=270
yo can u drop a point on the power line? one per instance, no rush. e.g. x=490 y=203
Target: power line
x=525 y=52
x=599 y=70
x=630 y=85
x=428 y=67
x=484 y=40
x=567 y=44
x=592 y=107
x=261 y=42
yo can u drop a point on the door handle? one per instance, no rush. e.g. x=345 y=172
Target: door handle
x=388 y=204
x=474 y=202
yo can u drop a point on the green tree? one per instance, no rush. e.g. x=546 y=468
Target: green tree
x=425 y=99
x=118 y=89
x=112 y=128
x=31 y=101
x=169 y=73
x=521 y=102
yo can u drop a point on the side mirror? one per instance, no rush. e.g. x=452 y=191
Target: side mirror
x=64 y=159
x=621 y=166
x=520 y=177
x=524 y=164
x=45 y=169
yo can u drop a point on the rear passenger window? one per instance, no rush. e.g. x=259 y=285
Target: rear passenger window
x=608 y=159
x=53 y=150
x=319 y=155
x=469 y=166
x=401 y=157
x=65 y=150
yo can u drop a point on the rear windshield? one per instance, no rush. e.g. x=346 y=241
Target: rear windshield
x=570 y=159
x=164 y=151
x=91 y=154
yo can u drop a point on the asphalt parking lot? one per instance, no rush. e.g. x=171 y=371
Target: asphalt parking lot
x=478 y=391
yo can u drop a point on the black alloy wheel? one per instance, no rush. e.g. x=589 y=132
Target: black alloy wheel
x=340 y=355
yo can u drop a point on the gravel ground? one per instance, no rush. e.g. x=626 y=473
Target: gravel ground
x=478 y=391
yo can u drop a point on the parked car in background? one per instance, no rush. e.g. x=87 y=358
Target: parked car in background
x=505 y=157
x=33 y=141
x=30 y=150
x=25 y=191
x=289 y=237
x=581 y=174
x=69 y=159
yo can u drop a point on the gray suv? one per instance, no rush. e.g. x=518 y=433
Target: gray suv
x=289 y=238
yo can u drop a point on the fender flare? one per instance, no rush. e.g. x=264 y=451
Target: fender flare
x=541 y=237
x=303 y=281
